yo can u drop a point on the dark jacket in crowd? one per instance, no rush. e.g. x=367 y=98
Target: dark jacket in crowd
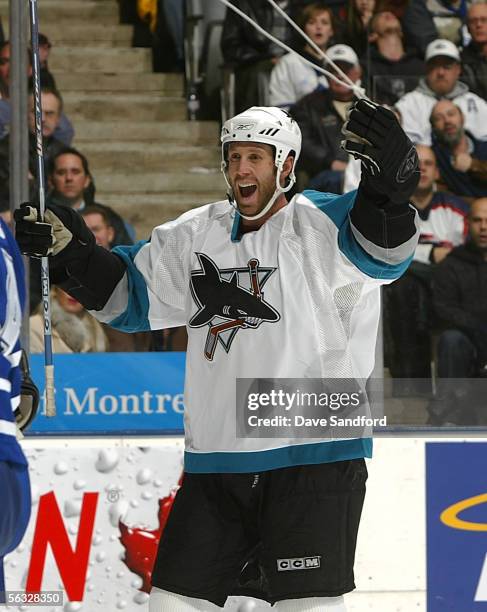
x=474 y=70
x=51 y=147
x=460 y=294
x=241 y=43
x=321 y=130
x=462 y=183
x=388 y=80
x=418 y=25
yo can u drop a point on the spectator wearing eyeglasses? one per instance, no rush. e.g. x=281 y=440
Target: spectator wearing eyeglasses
x=64 y=130
x=474 y=56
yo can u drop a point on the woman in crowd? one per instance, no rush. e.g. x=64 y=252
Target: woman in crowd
x=291 y=78
x=74 y=330
x=358 y=15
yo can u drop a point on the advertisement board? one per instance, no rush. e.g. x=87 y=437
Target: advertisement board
x=109 y=393
x=456 y=481
x=97 y=516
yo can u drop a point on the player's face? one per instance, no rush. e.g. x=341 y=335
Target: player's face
x=69 y=177
x=427 y=167
x=51 y=114
x=319 y=28
x=252 y=175
x=442 y=74
x=477 y=23
x=477 y=223
x=103 y=233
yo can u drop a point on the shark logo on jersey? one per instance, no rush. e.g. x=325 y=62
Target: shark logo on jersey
x=229 y=300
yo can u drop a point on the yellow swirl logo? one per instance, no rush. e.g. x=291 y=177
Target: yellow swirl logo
x=450 y=516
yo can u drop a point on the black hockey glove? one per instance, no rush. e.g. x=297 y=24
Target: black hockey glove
x=389 y=159
x=63 y=235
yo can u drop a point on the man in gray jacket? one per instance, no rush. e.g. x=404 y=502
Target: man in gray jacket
x=443 y=69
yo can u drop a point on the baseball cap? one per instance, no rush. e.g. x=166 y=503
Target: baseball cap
x=441 y=47
x=342 y=53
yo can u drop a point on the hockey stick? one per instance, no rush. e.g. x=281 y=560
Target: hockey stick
x=45 y=283
x=215 y=331
x=358 y=91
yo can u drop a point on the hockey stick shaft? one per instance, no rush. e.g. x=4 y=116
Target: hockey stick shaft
x=254 y=278
x=45 y=283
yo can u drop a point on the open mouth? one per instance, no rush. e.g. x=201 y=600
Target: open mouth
x=247 y=190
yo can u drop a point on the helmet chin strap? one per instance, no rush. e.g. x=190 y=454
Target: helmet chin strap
x=279 y=190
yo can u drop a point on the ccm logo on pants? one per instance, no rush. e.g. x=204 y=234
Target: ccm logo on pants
x=285 y=565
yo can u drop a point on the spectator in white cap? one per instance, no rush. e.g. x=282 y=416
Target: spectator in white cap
x=443 y=69
x=321 y=115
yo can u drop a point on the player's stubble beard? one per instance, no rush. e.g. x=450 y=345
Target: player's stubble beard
x=265 y=191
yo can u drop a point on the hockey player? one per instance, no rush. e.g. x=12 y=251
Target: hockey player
x=267 y=288
x=14 y=476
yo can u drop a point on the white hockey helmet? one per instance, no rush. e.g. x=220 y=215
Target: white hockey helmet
x=267 y=125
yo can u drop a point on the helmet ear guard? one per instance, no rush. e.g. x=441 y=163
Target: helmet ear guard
x=264 y=125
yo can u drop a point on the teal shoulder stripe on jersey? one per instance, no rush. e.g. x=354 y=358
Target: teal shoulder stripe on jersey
x=337 y=208
x=136 y=316
x=288 y=456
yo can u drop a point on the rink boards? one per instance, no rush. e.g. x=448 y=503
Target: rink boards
x=424 y=520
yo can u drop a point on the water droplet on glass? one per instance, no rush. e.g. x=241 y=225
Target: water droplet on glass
x=136 y=582
x=60 y=468
x=72 y=507
x=143 y=476
x=141 y=597
x=100 y=556
x=79 y=484
x=146 y=495
x=107 y=460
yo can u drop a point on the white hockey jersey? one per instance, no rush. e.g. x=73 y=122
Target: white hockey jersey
x=315 y=316
x=442 y=223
